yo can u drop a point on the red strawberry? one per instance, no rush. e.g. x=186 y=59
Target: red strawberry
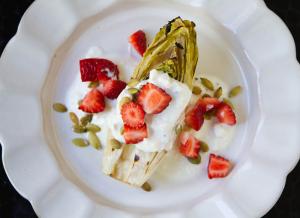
x=191 y=147
x=183 y=137
x=134 y=135
x=153 y=99
x=139 y=42
x=218 y=167
x=112 y=88
x=209 y=103
x=194 y=117
x=225 y=114
x=94 y=69
x=133 y=114
x=93 y=102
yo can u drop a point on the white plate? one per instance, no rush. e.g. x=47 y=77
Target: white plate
x=240 y=42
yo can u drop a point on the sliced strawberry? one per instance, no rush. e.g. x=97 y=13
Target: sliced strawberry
x=209 y=103
x=133 y=114
x=93 y=102
x=191 y=147
x=133 y=135
x=97 y=69
x=194 y=117
x=183 y=137
x=225 y=114
x=112 y=88
x=153 y=99
x=138 y=41
x=218 y=167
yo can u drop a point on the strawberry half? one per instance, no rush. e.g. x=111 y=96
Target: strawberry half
x=138 y=41
x=133 y=135
x=191 y=146
x=97 y=69
x=133 y=114
x=153 y=99
x=194 y=117
x=209 y=103
x=112 y=88
x=218 y=167
x=225 y=114
x=93 y=102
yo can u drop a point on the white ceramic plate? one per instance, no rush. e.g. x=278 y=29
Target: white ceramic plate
x=240 y=41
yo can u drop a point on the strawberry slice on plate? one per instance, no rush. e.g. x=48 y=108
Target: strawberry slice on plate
x=225 y=114
x=190 y=146
x=93 y=102
x=138 y=41
x=194 y=117
x=218 y=167
x=209 y=103
x=112 y=88
x=133 y=114
x=133 y=135
x=153 y=99
x=97 y=69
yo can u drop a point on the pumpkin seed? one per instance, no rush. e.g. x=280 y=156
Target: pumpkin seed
x=195 y=160
x=235 y=91
x=58 y=107
x=80 y=142
x=204 y=147
x=146 y=187
x=74 y=118
x=93 y=84
x=206 y=96
x=227 y=101
x=209 y=114
x=124 y=101
x=86 y=119
x=94 y=140
x=122 y=130
x=197 y=90
x=133 y=91
x=218 y=93
x=207 y=84
x=115 y=144
x=79 y=129
x=132 y=83
x=93 y=127
x=178 y=129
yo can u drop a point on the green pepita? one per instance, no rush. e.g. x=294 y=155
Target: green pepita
x=79 y=129
x=235 y=91
x=206 y=96
x=80 y=142
x=132 y=83
x=146 y=187
x=133 y=91
x=74 y=118
x=197 y=90
x=94 y=140
x=204 y=147
x=93 y=127
x=93 y=84
x=227 y=101
x=207 y=84
x=115 y=144
x=195 y=160
x=209 y=114
x=218 y=93
x=86 y=119
x=124 y=101
x=58 y=107
x=178 y=129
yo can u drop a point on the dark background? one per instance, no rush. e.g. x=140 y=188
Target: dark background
x=12 y=205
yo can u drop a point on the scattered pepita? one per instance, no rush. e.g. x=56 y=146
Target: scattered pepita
x=124 y=101
x=132 y=83
x=80 y=142
x=74 y=118
x=227 y=101
x=79 y=129
x=218 y=93
x=209 y=114
x=115 y=144
x=94 y=140
x=61 y=108
x=178 y=129
x=195 y=160
x=146 y=187
x=206 y=96
x=86 y=119
x=133 y=91
x=235 y=91
x=207 y=84
x=93 y=127
x=204 y=147
x=93 y=84
x=197 y=90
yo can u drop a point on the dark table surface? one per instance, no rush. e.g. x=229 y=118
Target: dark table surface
x=12 y=205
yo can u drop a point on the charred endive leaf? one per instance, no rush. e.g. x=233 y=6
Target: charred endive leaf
x=174 y=50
